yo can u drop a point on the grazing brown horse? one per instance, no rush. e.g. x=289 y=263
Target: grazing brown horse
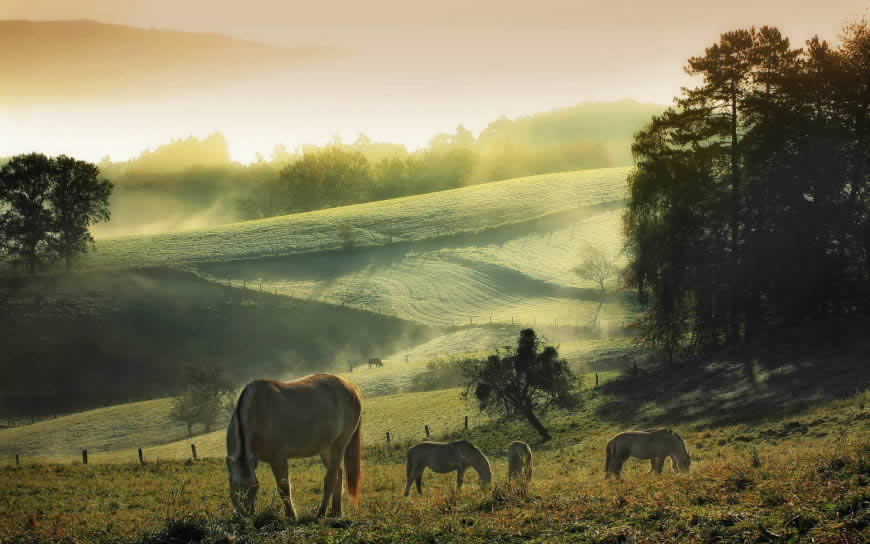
x=519 y=460
x=375 y=362
x=274 y=421
x=443 y=457
x=654 y=444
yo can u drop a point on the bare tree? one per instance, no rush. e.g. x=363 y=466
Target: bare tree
x=597 y=266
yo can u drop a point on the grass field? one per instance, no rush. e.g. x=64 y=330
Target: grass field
x=401 y=220
x=803 y=478
x=112 y=434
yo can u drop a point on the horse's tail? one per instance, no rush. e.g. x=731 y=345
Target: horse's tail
x=608 y=456
x=237 y=413
x=353 y=463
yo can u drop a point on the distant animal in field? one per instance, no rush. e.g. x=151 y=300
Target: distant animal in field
x=375 y=362
x=653 y=444
x=519 y=460
x=274 y=421
x=443 y=457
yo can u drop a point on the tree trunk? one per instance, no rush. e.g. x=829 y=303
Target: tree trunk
x=536 y=423
x=734 y=324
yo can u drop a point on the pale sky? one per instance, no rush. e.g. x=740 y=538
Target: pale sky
x=405 y=71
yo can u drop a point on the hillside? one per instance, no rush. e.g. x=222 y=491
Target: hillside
x=72 y=61
x=390 y=222
x=111 y=433
x=501 y=252
x=89 y=339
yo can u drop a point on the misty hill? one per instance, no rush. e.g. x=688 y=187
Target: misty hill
x=69 y=61
x=84 y=340
x=502 y=251
x=400 y=220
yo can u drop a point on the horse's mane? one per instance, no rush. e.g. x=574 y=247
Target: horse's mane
x=466 y=445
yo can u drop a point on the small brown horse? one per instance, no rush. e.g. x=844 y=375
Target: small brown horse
x=654 y=444
x=443 y=457
x=274 y=421
x=375 y=362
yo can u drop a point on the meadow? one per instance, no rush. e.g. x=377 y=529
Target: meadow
x=797 y=479
x=114 y=433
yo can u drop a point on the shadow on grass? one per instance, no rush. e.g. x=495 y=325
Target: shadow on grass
x=749 y=387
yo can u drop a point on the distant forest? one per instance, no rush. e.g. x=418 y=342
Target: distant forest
x=192 y=182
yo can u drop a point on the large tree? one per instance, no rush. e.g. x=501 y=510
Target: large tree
x=26 y=183
x=523 y=382
x=48 y=204
x=79 y=198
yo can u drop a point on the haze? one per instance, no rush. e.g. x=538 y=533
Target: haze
x=397 y=71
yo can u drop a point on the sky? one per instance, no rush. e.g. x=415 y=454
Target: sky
x=401 y=71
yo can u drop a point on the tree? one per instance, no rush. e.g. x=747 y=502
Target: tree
x=522 y=383
x=47 y=205
x=749 y=206
x=207 y=394
x=26 y=183
x=597 y=267
x=325 y=178
x=78 y=198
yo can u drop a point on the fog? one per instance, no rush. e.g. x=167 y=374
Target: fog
x=398 y=72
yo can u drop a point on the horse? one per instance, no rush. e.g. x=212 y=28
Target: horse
x=274 y=421
x=443 y=457
x=519 y=460
x=653 y=444
x=375 y=362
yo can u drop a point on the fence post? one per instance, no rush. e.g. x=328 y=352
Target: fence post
x=427 y=430
x=596 y=380
x=17 y=461
x=388 y=438
x=193 y=450
x=141 y=459
x=84 y=457
x=466 y=423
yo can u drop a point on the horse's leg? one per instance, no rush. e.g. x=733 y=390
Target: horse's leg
x=332 y=463
x=412 y=473
x=419 y=481
x=460 y=473
x=618 y=461
x=336 y=493
x=282 y=480
x=409 y=476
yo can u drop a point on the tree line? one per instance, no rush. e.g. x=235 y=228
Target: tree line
x=749 y=207
x=194 y=182
x=47 y=206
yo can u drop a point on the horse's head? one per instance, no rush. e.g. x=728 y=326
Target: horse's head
x=484 y=472
x=681 y=455
x=243 y=485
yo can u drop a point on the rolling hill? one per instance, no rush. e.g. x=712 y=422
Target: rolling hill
x=501 y=252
